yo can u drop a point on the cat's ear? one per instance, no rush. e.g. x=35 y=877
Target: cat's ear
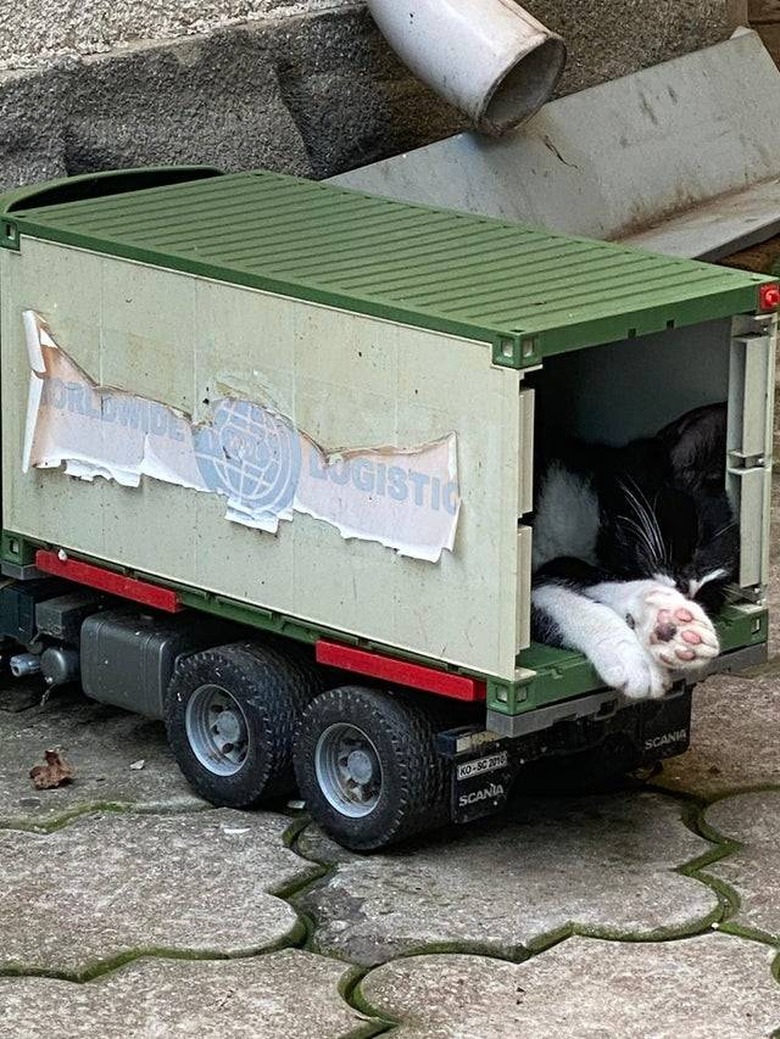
x=696 y=444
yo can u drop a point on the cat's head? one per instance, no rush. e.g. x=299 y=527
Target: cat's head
x=673 y=517
x=696 y=446
x=698 y=512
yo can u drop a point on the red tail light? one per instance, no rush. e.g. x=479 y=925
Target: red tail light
x=769 y=296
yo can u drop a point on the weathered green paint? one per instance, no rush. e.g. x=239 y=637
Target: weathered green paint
x=737 y=628
x=560 y=674
x=553 y=675
x=99 y=185
x=529 y=293
x=252 y=616
x=15 y=549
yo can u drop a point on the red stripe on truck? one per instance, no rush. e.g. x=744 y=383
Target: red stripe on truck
x=401 y=672
x=107 y=581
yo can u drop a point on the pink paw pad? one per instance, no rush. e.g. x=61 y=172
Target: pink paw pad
x=665 y=628
x=685 y=654
x=678 y=633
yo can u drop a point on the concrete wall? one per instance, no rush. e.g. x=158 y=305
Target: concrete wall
x=305 y=86
x=39 y=32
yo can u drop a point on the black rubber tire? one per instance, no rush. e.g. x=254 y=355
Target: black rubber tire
x=271 y=689
x=413 y=793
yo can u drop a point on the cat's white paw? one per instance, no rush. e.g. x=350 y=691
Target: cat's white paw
x=624 y=665
x=675 y=631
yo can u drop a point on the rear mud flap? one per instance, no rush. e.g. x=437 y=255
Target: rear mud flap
x=480 y=776
x=482 y=770
x=665 y=727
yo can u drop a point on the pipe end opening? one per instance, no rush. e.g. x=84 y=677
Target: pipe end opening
x=522 y=91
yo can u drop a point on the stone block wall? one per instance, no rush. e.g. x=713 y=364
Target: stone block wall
x=303 y=86
x=765 y=18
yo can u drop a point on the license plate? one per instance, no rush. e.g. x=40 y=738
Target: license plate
x=480 y=766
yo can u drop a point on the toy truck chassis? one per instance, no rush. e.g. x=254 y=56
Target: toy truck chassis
x=385 y=737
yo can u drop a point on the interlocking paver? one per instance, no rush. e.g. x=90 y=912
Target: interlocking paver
x=108 y=884
x=773 y=598
x=753 y=871
x=114 y=884
x=735 y=737
x=709 y=987
x=100 y=742
x=735 y=731
x=605 y=865
x=287 y=993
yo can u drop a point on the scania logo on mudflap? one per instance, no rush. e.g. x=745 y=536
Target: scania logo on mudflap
x=487 y=793
x=668 y=737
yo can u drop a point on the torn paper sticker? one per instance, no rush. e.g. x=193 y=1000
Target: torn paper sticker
x=252 y=455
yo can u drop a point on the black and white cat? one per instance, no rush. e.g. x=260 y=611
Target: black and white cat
x=633 y=550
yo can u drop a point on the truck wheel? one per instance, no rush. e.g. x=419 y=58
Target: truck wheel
x=230 y=716
x=367 y=767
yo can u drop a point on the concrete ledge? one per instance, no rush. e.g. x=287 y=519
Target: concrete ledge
x=611 y=38
x=306 y=87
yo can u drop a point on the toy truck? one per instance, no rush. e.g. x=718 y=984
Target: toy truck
x=267 y=474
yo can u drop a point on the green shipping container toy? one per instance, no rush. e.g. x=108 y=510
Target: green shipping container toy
x=267 y=472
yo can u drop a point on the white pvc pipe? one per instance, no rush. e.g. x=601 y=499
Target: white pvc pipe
x=490 y=58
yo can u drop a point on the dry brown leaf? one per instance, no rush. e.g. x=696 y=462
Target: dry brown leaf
x=56 y=772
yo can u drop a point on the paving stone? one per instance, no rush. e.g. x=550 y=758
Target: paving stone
x=710 y=987
x=773 y=596
x=736 y=718
x=754 y=870
x=287 y=993
x=735 y=740
x=20 y=695
x=602 y=864
x=106 y=885
x=99 y=742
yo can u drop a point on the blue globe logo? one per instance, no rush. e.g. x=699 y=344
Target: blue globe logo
x=250 y=454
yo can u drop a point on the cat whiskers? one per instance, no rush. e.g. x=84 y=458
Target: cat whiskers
x=645 y=551
x=655 y=553
x=723 y=530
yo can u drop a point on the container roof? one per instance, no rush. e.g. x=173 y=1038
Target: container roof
x=529 y=293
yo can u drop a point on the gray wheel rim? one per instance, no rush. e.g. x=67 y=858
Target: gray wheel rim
x=349 y=771
x=217 y=730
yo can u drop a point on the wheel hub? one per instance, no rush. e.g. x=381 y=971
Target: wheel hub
x=227 y=727
x=217 y=730
x=349 y=769
x=360 y=767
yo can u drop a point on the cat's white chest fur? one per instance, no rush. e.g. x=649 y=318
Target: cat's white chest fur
x=567 y=518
